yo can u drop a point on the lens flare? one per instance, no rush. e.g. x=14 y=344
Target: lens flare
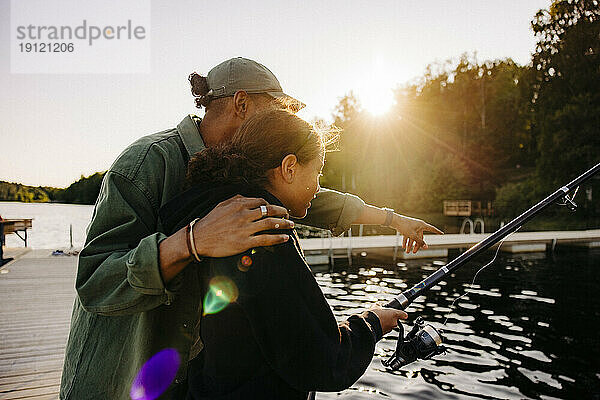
x=156 y=375
x=244 y=263
x=247 y=261
x=221 y=292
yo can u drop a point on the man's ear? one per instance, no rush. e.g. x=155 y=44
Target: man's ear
x=289 y=167
x=240 y=103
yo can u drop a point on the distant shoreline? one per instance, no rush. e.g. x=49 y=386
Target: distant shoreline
x=83 y=191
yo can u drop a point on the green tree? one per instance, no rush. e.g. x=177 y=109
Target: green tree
x=474 y=113
x=83 y=191
x=346 y=110
x=17 y=192
x=566 y=90
x=338 y=170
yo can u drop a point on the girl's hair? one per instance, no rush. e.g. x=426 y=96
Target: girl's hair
x=260 y=144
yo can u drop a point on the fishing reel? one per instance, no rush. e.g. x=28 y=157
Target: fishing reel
x=422 y=342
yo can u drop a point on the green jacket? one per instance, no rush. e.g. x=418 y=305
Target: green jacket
x=123 y=312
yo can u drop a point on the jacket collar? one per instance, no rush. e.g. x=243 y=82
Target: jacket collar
x=190 y=135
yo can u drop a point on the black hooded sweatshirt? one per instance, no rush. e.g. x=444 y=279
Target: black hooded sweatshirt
x=279 y=339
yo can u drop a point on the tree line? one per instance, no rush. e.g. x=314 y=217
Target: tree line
x=83 y=191
x=484 y=130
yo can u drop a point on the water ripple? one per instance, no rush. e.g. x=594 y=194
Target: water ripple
x=510 y=337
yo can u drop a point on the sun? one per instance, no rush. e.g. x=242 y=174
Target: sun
x=375 y=91
x=376 y=100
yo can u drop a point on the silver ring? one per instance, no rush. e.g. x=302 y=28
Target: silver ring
x=263 y=211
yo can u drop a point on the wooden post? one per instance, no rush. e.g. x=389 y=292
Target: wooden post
x=1 y=243
x=396 y=246
x=349 y=247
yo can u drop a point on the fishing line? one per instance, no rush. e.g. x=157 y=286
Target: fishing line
x=477 y=273
x=424 y=341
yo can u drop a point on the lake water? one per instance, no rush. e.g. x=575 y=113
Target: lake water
x=527 y=329
x=50 y=223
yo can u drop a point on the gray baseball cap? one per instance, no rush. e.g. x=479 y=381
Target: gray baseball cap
x=243 y=74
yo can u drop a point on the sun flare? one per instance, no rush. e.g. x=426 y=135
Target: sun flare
x=375 y=92
x=376 y=101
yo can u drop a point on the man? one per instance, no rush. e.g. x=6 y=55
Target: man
x=130 y=302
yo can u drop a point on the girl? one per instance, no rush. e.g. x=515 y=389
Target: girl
x=267 y=329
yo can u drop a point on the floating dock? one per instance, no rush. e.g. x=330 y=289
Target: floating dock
x=324 y=250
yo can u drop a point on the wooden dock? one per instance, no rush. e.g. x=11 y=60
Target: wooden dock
x=8 y=226
x=36 y=297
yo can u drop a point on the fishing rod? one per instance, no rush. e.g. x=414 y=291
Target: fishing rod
x=424 y=341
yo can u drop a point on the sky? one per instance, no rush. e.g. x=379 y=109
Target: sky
x=56 y=127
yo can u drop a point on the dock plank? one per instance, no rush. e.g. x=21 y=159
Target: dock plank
x=41 y=377
x=45 y=392
x=36 y=298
